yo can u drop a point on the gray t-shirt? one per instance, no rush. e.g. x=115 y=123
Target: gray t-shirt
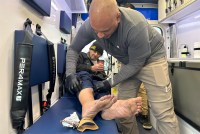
x=135 y=43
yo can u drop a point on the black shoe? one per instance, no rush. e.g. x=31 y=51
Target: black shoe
x=145 y=122
x=144 y=118
x=147 y=125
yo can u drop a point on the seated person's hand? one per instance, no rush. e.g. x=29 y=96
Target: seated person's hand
x=73 y=83
x=97 y=67
x=102 y=86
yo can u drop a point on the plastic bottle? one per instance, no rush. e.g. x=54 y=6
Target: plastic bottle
x=184 y=52
x=197 y=50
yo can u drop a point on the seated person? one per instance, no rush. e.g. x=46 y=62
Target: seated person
x=89 y=71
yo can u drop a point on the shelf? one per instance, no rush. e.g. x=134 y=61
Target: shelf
x=182 y=11
x=192 y=60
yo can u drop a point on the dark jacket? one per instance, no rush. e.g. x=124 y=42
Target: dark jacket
x=84 y=63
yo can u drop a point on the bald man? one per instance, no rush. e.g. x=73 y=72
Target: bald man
x=126 y=35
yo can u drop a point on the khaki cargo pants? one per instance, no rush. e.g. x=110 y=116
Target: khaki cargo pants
x=158 y=87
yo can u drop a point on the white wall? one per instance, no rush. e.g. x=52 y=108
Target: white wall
x=12 y=16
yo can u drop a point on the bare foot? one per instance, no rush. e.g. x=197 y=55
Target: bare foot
x=123 y=109
x=90 y=109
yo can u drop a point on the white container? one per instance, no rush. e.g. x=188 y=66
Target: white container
x=184 y=52
x=197 y=50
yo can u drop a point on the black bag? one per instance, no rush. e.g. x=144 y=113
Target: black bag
x=22 y=67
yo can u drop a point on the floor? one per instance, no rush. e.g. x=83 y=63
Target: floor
x=144 y=131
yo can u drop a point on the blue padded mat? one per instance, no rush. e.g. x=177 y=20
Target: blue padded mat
x=40 y=62
x=74 y=19
x=43 y=7
x=65 y=23
x=61 y=57
x=49 y=123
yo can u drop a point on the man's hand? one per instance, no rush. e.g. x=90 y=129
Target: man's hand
x=102 y=86
x=73 y=83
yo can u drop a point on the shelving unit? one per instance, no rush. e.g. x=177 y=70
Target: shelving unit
x=182 y=11
x=190 y=60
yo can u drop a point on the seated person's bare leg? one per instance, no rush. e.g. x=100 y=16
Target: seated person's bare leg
x=123 y=109
x=90 y=106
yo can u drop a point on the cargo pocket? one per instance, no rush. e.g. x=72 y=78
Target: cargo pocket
x=161 y=75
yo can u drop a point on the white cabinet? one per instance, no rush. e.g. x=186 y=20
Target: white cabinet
x=161 y=9
x=186 y=30
x=178 y=13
